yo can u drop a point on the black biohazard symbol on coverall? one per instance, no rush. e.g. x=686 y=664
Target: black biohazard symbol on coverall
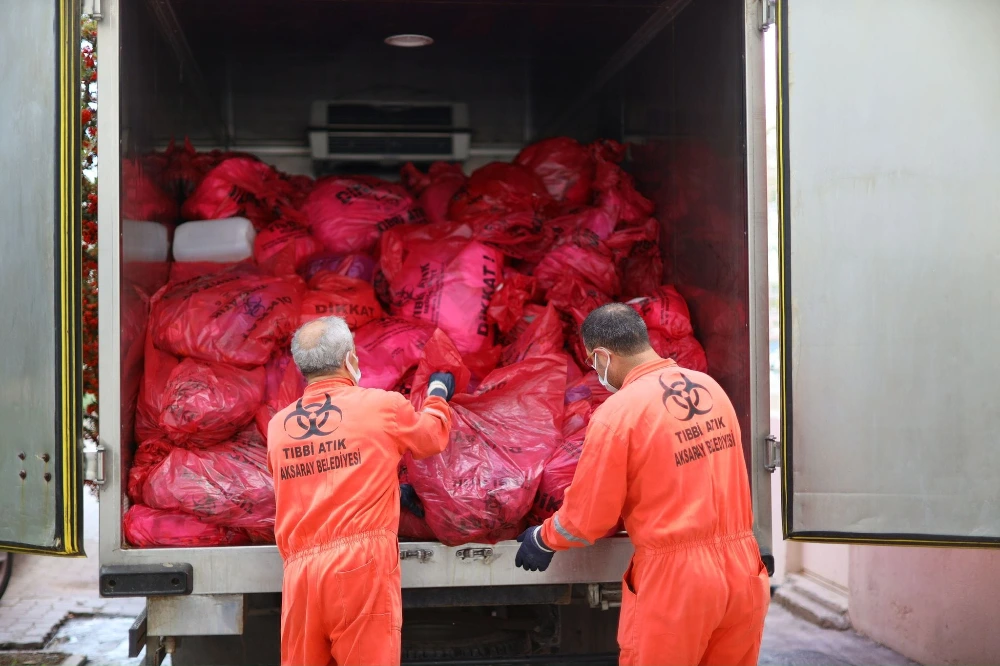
x=684 y=399
x=315 y=419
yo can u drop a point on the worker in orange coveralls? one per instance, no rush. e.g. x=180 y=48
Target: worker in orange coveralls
x=665 y=453
x=334 y=454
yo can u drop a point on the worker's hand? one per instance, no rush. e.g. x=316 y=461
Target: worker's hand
x=408 y=500
x=442 y=384
x=533 y=555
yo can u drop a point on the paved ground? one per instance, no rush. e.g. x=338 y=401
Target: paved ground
x=54 y=603
x=44 y=592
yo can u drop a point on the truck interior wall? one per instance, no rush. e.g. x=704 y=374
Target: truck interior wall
x=687 y=85
x=517 y=65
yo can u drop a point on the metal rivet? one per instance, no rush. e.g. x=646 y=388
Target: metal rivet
x=47 y=476
x=45 y=457
x=21 y=455
x=22 y=474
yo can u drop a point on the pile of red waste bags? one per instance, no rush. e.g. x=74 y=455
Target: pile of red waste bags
x=488 y=275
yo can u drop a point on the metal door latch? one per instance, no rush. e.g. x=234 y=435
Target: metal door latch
x=93 y=464
x=772 y=453
x=474 y=553
x=768 y=10
x=418 y=554
x=604 y=596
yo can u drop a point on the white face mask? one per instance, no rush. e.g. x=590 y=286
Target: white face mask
x=355 y=371
x=607 y=366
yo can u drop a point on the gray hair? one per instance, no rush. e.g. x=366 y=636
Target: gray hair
x=320 y=347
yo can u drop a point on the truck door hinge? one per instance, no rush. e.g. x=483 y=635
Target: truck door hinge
x=93 y=464
x=772 y=453
x=768 y=13
x=92 y=9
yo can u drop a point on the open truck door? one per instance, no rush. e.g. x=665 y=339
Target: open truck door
x=889 y=131
x=40 y=452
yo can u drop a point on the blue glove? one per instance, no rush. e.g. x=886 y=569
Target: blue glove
x=441 y=384
x=408 y=500
x=533 y=555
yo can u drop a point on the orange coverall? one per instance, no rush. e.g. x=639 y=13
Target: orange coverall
x=665 y=453
x=334 y=455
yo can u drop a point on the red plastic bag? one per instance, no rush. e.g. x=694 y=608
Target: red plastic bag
x=238 y=186
x=239 y=316
x=142 y=199
x=149 y=528
x=283 y=246
x=616 y=189
x=436 y=188
x=182 y=271
x=147 y=455
x=195 y=403
x=543 y=336
x=388 y=349
x=561 y=467
x=508 y=301
x=519 y=234
x=184 y=168
x=283 y=385
x=358 y=266
x=592 y=264
x=410 y=526
x=565 y=167
x=588 y=388
x=531 y=312
x=482 y=486
x=497 y=189
x=448 y=282
x=332 y=294
x=641 y=271
x=556 y=477
x=587 y=220
x=348 y=215
x=227 y=484
x=665 y=312
x=686 y=351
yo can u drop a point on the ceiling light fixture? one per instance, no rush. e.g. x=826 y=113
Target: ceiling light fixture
x=409 y=41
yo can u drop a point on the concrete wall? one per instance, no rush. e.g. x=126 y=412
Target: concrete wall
x=936 y=606
x=826 y=562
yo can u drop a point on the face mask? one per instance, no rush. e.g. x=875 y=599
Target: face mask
x=355 y=371
x=604 y=380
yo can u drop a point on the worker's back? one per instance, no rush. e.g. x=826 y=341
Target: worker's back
x=334 y=455
x=687 y=479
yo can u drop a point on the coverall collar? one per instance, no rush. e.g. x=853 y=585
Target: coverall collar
x=646 y=368
x=328 y=384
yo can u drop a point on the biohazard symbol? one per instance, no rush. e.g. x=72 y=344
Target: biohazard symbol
x=315 y=419
x=253 y=306
x=684 y=399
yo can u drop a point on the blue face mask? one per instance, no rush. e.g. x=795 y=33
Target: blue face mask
x=607 y=366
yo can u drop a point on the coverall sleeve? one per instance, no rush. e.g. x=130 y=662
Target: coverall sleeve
x=422 y=433
x=593 y=502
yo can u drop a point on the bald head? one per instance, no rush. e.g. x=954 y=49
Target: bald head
x=320 y=347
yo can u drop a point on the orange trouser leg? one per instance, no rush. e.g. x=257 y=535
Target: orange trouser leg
x=736 y=642
x=341 y=604
x=691 y=606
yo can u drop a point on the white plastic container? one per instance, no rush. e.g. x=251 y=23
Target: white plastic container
x=145 y=241
x=226 y=240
